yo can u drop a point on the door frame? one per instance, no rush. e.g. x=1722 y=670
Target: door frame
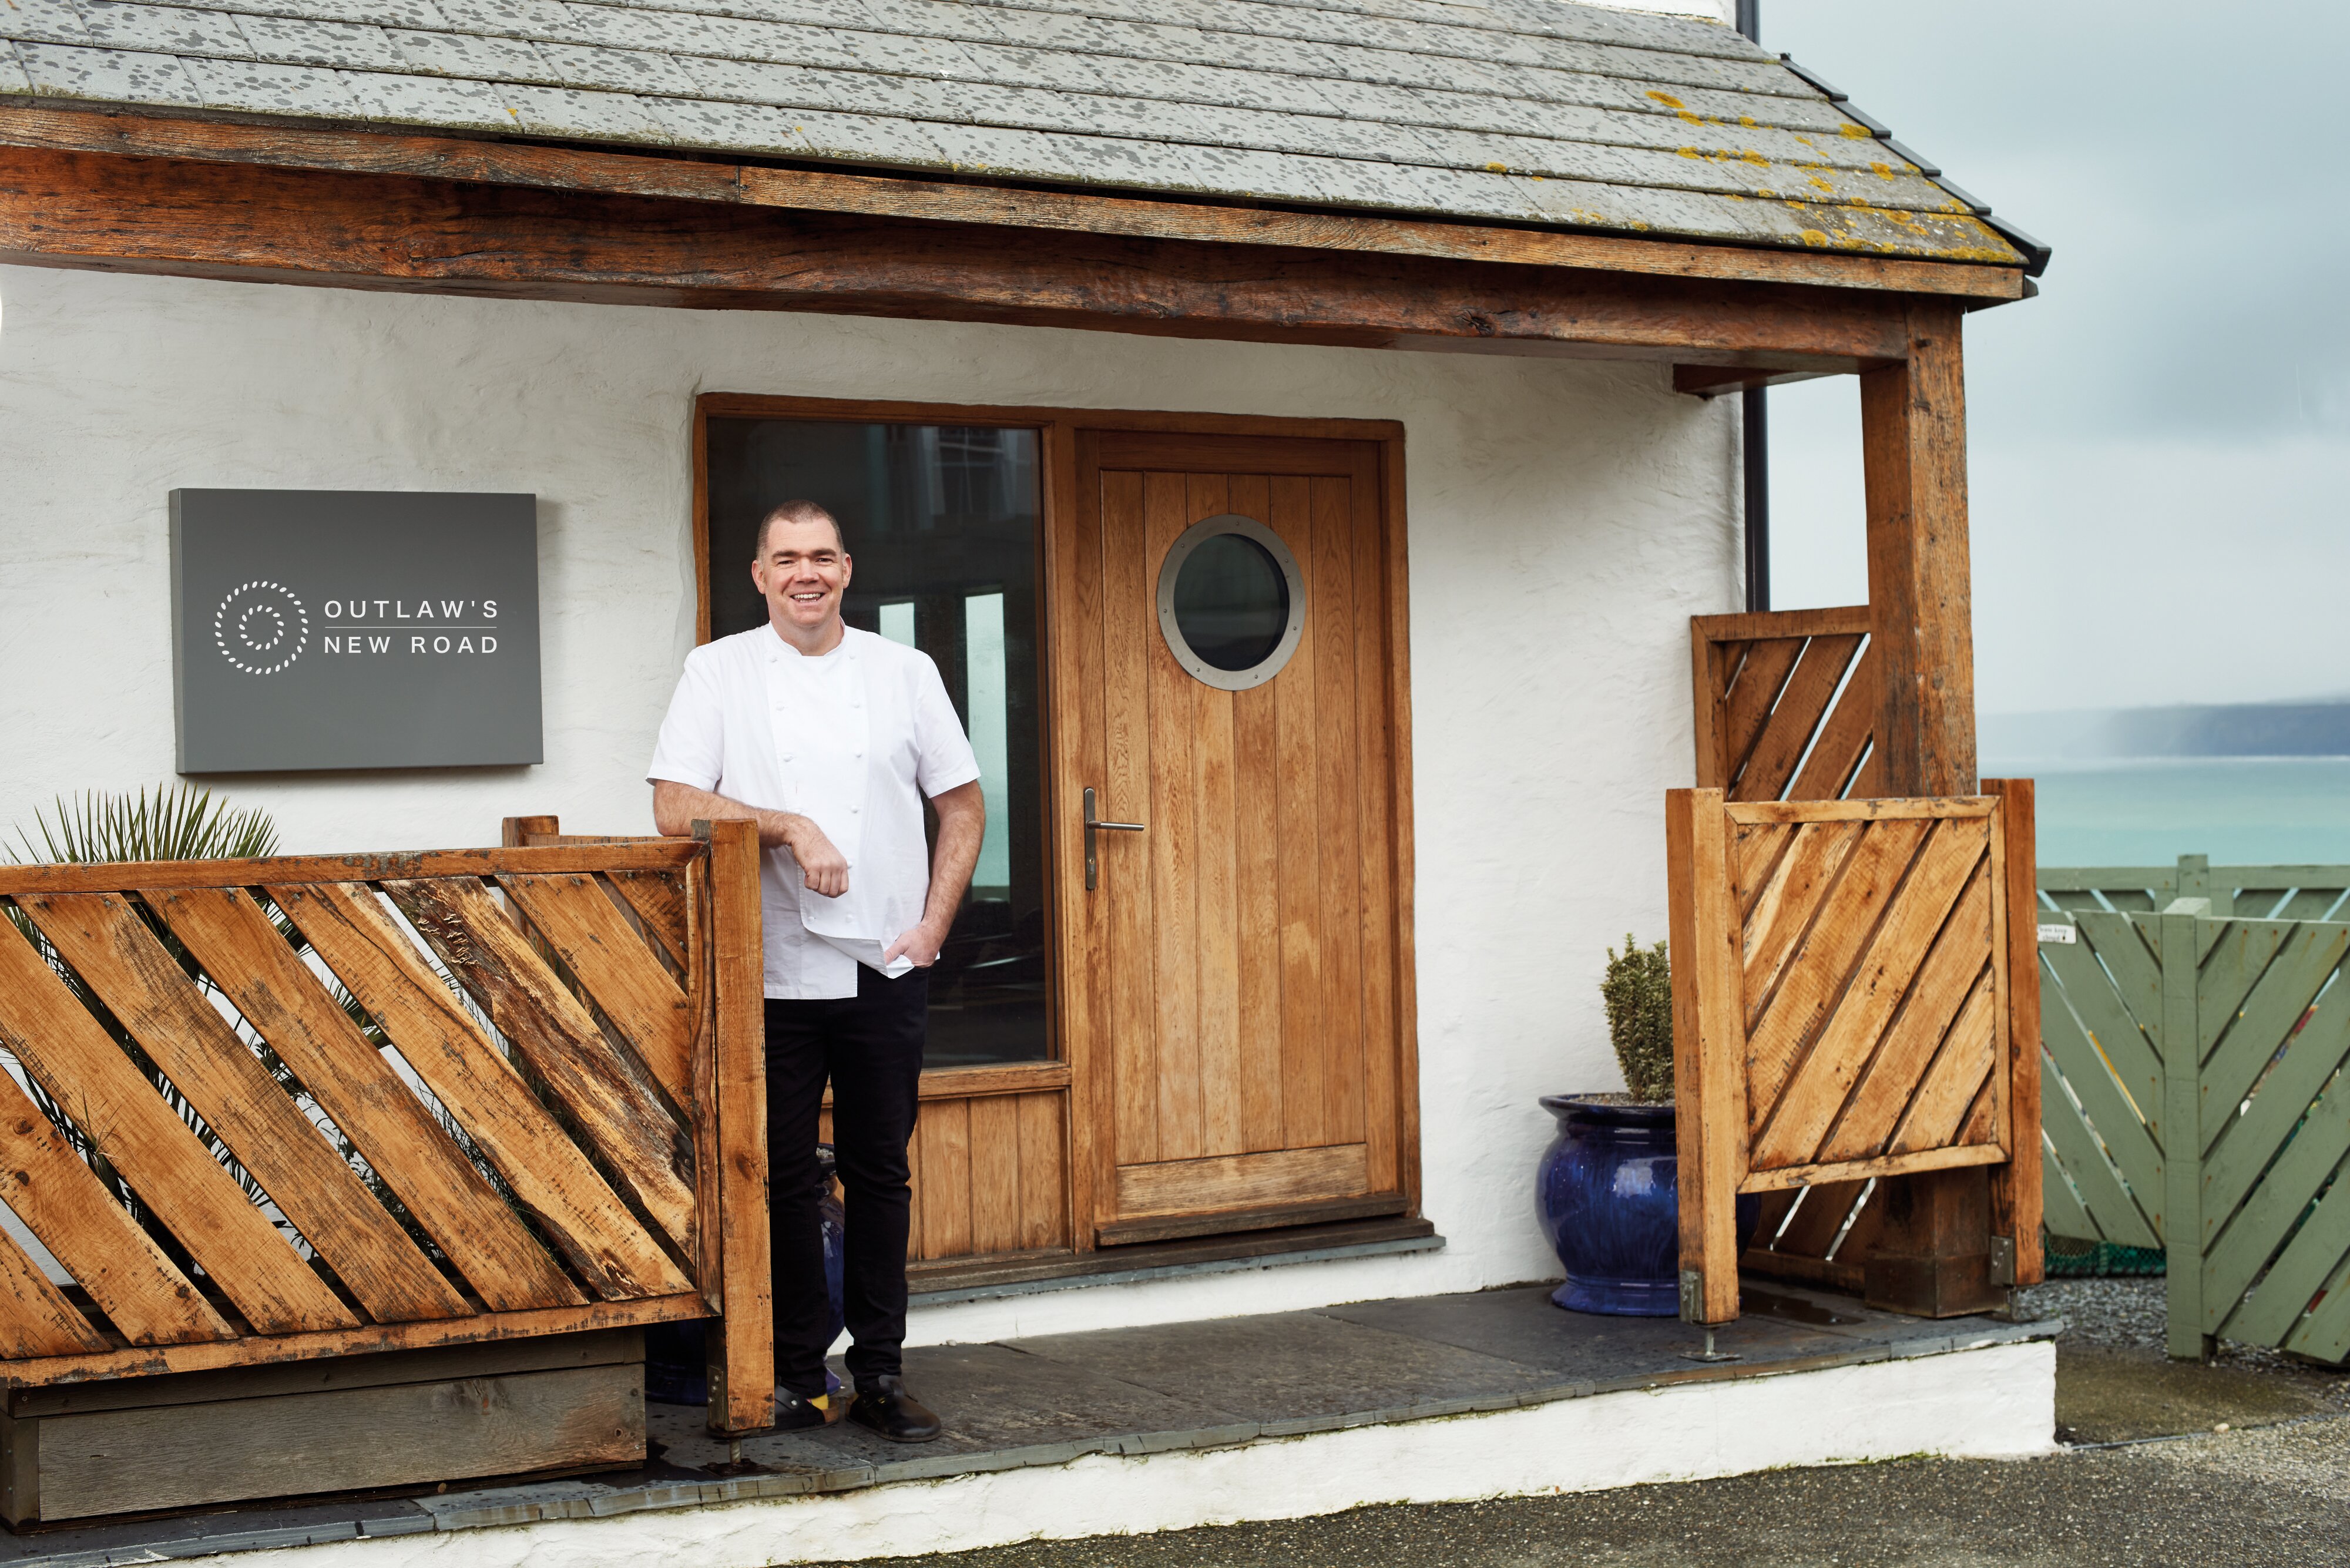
x=1078 y=1063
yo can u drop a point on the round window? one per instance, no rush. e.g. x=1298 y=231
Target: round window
x=1231 y=602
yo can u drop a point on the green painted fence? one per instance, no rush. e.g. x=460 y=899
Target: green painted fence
x=2205 y=1009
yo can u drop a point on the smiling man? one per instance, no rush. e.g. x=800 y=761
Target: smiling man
x=829 y=738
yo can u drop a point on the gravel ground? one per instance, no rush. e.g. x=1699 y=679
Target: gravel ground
x=2129 y=1314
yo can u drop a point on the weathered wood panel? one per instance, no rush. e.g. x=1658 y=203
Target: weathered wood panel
x=1841 y=1013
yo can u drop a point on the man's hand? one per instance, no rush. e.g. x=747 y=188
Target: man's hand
x=822 y=866
x=921 y=944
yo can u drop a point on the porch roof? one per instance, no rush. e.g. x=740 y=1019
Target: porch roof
x=1533 y=112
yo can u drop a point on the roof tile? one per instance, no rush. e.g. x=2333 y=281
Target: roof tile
x=43 y=22
x=164 y=29
x=109 y=75
x=260 y=87
x=1513 y=110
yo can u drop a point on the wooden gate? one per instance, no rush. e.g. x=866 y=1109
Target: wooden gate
x=1842 y=1006
x=318 y=1106
x=2195 y=1105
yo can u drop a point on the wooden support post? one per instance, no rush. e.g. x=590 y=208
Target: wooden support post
x=2015 y=1186
x=1709 y=1050
x=2179 y=1042
x=743 y=1353
x=1913 y=432
x=1933 y=1255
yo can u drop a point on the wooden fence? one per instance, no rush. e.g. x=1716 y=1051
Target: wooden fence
x=1843 y=1007
x=1785 y=704
x=319 y=1105
x=2194 y=1100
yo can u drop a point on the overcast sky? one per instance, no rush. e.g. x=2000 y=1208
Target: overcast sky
x=2160 y=442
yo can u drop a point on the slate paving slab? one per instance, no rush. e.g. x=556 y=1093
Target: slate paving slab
x=1284 y=1366
x=1521 y=1326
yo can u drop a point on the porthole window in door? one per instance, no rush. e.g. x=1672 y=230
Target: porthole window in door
x=1231 y=602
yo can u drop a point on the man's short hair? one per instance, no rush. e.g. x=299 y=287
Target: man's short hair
x=797 y=512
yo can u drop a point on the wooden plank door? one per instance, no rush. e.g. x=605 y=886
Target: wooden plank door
x=1246 y=948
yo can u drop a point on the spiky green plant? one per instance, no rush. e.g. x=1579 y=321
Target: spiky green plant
x=1638 y=990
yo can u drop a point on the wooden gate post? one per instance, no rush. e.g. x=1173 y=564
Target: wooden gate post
x=2180 y=1043
x=743 y=1352
x=1913 y=432
x=1709 y=1059
x=2015 y=1190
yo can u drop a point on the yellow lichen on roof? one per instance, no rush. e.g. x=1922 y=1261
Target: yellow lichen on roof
x=1667 y=100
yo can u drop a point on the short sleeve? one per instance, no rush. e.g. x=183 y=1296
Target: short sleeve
x=944 y=755
x=691 y=749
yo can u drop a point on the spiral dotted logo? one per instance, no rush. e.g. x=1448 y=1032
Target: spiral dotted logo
x=261 y=626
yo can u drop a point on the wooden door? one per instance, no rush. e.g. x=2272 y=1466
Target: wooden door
x=1243 y=960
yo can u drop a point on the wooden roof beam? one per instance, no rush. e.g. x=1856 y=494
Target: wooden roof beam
x=264 y=223
x=215 y=140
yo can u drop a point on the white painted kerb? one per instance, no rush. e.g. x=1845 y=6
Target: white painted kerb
x=1997 y=1402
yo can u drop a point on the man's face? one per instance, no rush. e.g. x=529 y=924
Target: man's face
x=802 y=574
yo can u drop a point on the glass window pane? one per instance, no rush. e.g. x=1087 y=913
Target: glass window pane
x=942 y=526
x=1232 y=603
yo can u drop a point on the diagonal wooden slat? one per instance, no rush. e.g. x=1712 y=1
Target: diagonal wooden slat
x=548 y=1175
x=111 y=948
x=35 y=1319
x=1803 y=705
x=1943 y=983
x=659 y=897
x=1824 y=959
x=1817 y=1223
x=1756 y=686
x=268 y=983
x=2324 y=1334
x=1755 y=848
x=2266 y=1018
x=2118 y=1218
x=2278 y=1111
x=1843 y=740
x=595 y=942
x=1785 y=904
x=2250 y=1222
x=2126 y=1138
x=2060 y=1204
x=2083 y=988
x=605 y=1091
x=2267 y=1315
x=1947 y=1092
x=2122 y=947
x=1817 y=1090
x=142 y=1291
x=2236 y=956
x=1979 y=1125
x=63 y=1048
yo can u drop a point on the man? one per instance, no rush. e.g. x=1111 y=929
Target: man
x=828 y=738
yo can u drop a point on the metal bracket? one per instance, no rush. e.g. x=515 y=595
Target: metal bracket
x=2003 y=1259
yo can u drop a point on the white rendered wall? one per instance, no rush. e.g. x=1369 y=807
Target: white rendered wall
x=1566 y=518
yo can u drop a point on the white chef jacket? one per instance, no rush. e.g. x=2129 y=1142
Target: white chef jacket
x=846 y=740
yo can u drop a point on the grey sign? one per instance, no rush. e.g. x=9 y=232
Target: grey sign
x=337 y=628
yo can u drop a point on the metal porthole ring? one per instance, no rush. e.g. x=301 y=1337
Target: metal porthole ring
x=1171 y=567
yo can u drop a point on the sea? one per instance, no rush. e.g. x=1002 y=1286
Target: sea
x=2239 y=811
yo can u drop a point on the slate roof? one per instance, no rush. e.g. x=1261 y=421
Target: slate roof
x=1525 y=112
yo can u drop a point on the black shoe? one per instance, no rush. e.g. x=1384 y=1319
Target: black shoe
x=794 y=1413
x=889 y=1409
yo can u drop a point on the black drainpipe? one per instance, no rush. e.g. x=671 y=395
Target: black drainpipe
x=1756 y=422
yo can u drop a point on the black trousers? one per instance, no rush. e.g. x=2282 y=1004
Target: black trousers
x=871 y=1047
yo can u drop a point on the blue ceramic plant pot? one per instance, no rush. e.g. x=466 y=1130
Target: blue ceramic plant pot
x=1606 y=1194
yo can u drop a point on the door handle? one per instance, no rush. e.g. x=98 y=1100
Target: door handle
x=1096 y=825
